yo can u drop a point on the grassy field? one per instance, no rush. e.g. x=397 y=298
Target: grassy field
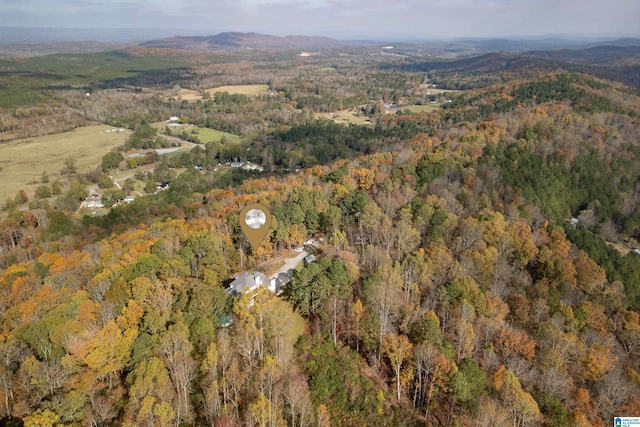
x=241 y=89
x=188 y=95
x=295 y=324
x=345 y=117
x=194 y=95
x=204 y=134
x=208 y=135
x=422 y=108
x=23 y=161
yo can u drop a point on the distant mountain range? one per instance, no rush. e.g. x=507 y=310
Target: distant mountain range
x=619 y=63
x=234 y=40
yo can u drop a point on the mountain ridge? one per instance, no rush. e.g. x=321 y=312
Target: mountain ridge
x=250 y=40
x=619 y=64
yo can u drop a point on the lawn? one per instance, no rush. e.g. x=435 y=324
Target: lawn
x=241 y=89
x=422 y=108
x=206 y=135
x=23 y=161
x=290 y=321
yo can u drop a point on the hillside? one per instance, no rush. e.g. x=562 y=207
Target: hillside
x=603 y=56
x=449 y=287
x=620 y=64
x=235 y=40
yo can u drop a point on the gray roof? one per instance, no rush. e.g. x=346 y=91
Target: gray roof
x=246 y=281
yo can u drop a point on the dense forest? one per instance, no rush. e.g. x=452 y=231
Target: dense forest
x=450 y=287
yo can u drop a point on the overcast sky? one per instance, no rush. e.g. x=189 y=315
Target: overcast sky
x=415 y=19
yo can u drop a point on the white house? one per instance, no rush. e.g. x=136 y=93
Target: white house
x=249 y=282
x=252 y=167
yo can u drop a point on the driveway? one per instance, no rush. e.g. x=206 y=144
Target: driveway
x=291 y=263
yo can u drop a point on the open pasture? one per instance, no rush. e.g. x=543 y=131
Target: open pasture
x=188 y=95
x=23 y=161
x=194 y=95
x=248 y=90
x=206 y=135
x=345 y=117
x=421 y=108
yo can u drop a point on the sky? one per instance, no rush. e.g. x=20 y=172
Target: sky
x=370 y=19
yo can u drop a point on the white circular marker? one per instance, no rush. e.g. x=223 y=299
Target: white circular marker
x=255 y=218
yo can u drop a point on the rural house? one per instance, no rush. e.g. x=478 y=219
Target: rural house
x=249 y=282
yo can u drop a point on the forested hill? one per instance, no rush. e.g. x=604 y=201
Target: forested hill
x=448 y=289
x=617 y=63
x=245 y=40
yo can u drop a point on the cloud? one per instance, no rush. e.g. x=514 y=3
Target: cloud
x=363 y=18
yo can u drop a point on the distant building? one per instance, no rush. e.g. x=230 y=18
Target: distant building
x=252 y=167
x=93 y=204
x=174 y=119
x=309 y=258
x=236 y=164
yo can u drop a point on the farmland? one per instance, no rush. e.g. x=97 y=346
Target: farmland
x=23 y=161
x=188 y=95
x=345 y=117
x=421 y=108
x=241 y=89
x=206 y=135
x=194 y=95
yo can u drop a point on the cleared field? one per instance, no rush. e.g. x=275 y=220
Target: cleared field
x=188 y=95
x=23 y=161
x=241 y=89
x=345 y=117
x=204 y=134
x=436 y=90
x=210 y=135
x=421 y=108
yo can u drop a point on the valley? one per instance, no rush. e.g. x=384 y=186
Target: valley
x=472 y=216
